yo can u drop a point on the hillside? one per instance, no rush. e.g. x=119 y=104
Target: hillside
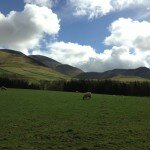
x=141 y=73
x=14 y=64
x=62 y=68
x=45 y=60
x=17 y=65
x=128 y=78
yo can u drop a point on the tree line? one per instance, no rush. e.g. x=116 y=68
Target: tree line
x=109 y=87
x=17 y=83
x=94 y=86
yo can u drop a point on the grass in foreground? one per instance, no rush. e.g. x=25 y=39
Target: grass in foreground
x=41 y=120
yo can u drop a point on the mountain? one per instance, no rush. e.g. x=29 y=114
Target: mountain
x=140 y=73
x=128 y=78
x=62 y=68
x=15 y=64
x=45 y=61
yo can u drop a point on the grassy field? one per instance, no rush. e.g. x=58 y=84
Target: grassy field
x=44 y=120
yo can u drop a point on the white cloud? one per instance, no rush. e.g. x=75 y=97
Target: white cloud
x=86 y=58
x=130 y=49
x=129 y=39
x=117 y=57
x=24 y=30
x=122 y=4
x=98 y=8
x=91 y=8
x=47 y=3
x=69 y=53
x=130 y=33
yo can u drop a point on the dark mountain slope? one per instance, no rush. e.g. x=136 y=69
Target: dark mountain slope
x=45 y=60
x=68 y=70
x=62 y=68
x=142 y=72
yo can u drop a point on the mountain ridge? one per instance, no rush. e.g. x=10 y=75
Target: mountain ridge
x=53 y=64
x=46 y=68
x=19 y=66
x=142 y=72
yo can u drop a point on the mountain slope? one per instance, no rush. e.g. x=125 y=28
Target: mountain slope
x=128 y=78
x=14 y=64
x=17 y=65
x=45 y=60
x=141 y=72
x=62 y=68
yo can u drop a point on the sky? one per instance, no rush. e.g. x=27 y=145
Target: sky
x=93 y=35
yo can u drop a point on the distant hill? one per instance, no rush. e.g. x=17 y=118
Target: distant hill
x=129 y=78
x=68 y=70
x=45 y=60
x=15 y=64
x=53 y=64
x=142 y=73
x=12 y=52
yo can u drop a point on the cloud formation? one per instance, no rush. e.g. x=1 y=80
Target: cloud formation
x=24 y=30
x=47 y=3
x=69 y=53
x=117 y=57
x=86 y=58
x=98 y=8
x=130 y=33
x=129 y=40
x=130 y=46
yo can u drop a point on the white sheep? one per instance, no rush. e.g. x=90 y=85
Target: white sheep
x=87 y=95
x=3 y=88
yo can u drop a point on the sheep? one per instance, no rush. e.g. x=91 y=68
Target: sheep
x=3 y=88
x=87 y=95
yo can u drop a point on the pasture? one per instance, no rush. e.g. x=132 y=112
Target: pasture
x=44 y=120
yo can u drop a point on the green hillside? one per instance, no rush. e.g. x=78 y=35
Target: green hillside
x=129 y=78
x=138 y=74
x=18 y=65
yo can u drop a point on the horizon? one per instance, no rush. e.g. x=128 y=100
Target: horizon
x=92 y=35
x=70 y=65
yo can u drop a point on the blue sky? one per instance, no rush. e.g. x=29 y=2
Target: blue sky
x=6 y=6
x=81 y=30
x=91 y=32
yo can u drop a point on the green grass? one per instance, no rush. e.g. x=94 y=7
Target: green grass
x=44 y=120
